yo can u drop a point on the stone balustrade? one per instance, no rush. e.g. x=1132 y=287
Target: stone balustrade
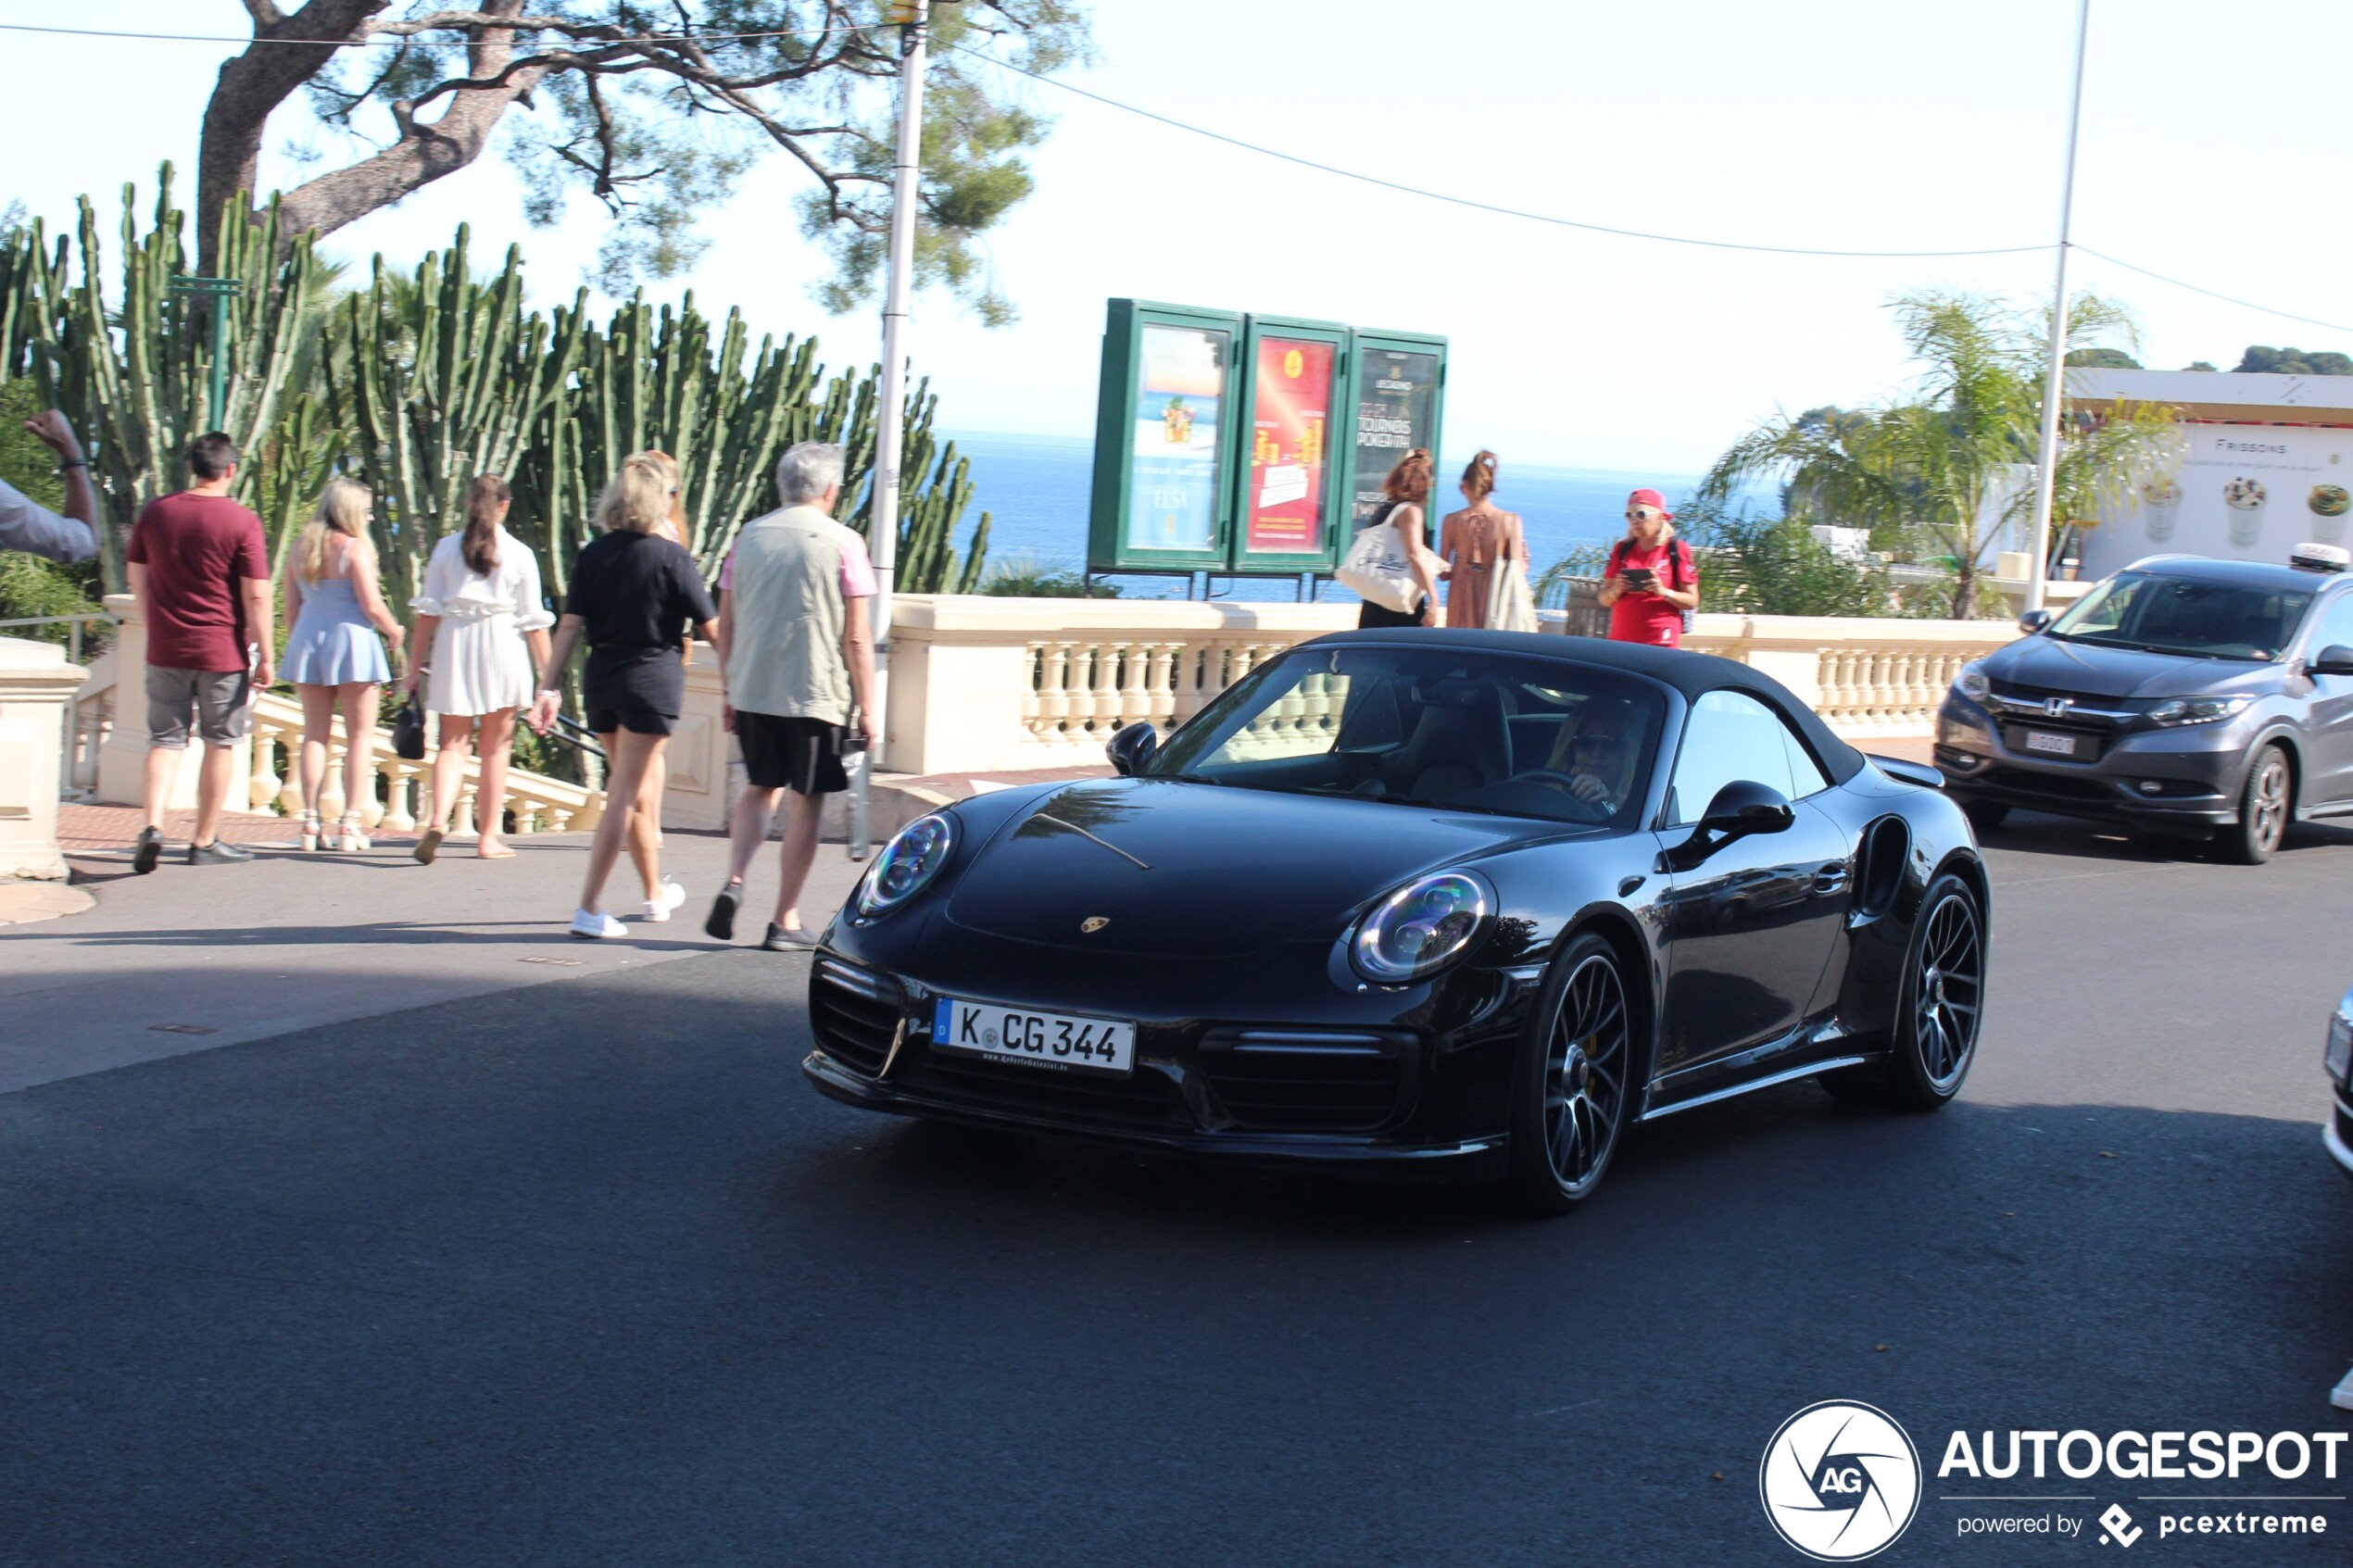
x=111 y=756
x=536 y=803
x=991 y=684
x=37 y=682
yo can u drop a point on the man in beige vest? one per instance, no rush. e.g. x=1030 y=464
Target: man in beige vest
x=798 y=663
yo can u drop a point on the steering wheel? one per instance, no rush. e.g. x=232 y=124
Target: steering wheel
x=1601 y=809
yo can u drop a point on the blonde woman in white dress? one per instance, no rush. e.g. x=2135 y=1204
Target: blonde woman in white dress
x=482 y=619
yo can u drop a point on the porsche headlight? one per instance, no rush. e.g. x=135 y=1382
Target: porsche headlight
x=1421 y=928
x=907 y=864
x=2198 y=709
x=1972 y=683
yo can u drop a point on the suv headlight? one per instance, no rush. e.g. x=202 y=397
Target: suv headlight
x=1972 y=684
x=1421 y=928
x=2340 y=1047
x=2198 y=709
x=907 y=864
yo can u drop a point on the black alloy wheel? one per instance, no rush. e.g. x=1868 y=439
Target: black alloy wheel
x=1576 y=1079
x=1939 y=1012
x=2265 y=804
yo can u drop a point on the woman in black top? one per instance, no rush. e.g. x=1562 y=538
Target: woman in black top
x=1407 y=487
x=634 y=596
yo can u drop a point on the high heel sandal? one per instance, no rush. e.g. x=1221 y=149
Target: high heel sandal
x=310 y=830
x=349 y=839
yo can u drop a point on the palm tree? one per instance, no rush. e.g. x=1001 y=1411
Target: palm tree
x=1956 y=456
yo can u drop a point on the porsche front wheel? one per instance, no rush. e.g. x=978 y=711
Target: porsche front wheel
x=1574 y=1080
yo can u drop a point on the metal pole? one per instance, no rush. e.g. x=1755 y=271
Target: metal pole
x=2055 y=375
x=914 y=17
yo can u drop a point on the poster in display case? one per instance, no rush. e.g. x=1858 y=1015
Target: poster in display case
x=1243 y=445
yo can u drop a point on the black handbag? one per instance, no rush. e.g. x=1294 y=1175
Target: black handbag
x=408 y=731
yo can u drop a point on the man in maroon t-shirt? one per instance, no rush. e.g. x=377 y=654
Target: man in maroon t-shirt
x=1651 y=580
x=201 y=575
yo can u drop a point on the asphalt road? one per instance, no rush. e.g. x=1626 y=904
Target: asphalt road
x=585 y=1275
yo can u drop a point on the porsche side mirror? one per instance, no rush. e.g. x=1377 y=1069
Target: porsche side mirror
x=1745 y=807
x=2333 y=659
x=2033 y=620
x=1740 y=808
x=1132 y=747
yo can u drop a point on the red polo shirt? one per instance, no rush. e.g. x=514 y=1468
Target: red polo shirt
x=199 y=551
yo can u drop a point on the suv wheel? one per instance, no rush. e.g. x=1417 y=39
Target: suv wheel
x=2264 y=807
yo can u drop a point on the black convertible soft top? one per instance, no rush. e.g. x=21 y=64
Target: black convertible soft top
x=1689 y=673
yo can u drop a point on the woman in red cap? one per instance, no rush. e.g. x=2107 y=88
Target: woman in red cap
x=1651 y=580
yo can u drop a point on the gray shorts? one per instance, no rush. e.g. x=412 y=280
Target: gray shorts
x=212 y=696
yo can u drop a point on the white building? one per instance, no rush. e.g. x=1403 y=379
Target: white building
x=2268 y=465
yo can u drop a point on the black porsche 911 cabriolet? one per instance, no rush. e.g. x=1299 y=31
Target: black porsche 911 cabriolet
x=1464 y=899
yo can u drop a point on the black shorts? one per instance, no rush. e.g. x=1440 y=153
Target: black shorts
x=640 y=690
x=800 y=755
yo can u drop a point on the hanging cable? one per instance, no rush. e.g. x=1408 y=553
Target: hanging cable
x=1465 y=201
x=2227 y=299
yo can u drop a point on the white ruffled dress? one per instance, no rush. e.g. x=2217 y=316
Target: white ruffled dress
x=480 y=660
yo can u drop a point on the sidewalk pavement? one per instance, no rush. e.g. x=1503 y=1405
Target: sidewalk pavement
x=194 y=957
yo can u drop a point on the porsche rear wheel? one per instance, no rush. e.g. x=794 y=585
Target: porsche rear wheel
x=1938 y=1010
x=1574 y=1081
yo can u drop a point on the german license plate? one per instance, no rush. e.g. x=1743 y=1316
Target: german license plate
x=2044 y=740
x=1039 y=1039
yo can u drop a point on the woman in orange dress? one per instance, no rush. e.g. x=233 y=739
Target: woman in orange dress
x=1475 y=542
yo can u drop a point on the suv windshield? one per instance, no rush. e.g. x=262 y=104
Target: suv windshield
x=2147 y=609
x=1468 y=731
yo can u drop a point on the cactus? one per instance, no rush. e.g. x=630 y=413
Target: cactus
x=437 y=378
x=415 y=384
x=132 y=374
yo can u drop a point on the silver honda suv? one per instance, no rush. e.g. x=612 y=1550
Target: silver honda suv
x=2182 y=695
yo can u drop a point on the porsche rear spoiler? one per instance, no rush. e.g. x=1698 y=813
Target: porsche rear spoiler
x=1918 y=773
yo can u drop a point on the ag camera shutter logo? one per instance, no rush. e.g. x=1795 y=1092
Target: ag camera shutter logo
x=1839 y=1481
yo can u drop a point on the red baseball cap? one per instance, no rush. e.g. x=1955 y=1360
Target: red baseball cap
x=1651 y=499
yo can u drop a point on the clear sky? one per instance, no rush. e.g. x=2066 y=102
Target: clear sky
x=2210 y=153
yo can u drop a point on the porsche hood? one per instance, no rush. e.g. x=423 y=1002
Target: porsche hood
x=1201 y=871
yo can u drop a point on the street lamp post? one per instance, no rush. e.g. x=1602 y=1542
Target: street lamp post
x=914 y=18
x=220 y=292
x=2055 y=374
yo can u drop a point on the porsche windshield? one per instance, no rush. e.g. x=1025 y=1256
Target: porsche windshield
x=1438 y=727
x=2161 y=614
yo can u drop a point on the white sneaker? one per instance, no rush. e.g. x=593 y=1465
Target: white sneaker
x=2343 y=1395
x=595 y=925
x=671 y=897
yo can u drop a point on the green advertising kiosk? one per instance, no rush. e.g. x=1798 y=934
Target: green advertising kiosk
x=1249 y=445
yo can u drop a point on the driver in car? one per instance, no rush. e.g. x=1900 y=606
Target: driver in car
x=1595 y=752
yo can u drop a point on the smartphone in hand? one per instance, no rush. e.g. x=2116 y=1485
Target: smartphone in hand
x=1640 y=578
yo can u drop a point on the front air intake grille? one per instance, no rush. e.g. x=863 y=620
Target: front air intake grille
x=1304 y=1081
x=2055 y=786
x=1146 y=1098
x=854 y=1013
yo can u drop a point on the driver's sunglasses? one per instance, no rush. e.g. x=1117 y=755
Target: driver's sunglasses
x=1599 y=743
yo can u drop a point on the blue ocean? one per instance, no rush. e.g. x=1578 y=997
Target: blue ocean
x=1036 y=489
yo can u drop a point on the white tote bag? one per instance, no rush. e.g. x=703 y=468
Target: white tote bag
x=1378 y=571
x=1510 y=607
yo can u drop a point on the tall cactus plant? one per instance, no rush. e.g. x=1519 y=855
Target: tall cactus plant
x=438 y=378
x=135 y=371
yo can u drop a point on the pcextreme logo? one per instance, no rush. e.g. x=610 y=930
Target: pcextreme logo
x=1839 y=1481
